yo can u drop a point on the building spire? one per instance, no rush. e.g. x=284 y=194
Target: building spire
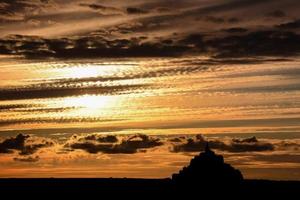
x=207 y=148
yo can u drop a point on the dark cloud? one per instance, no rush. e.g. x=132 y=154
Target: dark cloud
x=95 y=148
x=105 y=10
x=236 y=30
x=277 y=14
x=32 y=148
x=34 y=109
x=288 y=145
x=290 y=25
x=214 y=19
x=220 y=20
x=196 y=40
x=176 y=139
x=113 y=10
x=135 y=11
x=128 y=145
x=24 y=144
x=17 y=10
x=235 y=145
x=29 y=159
x=226 y=6
x=260 y=43
x=102 y=138
x=36 y=92
x=246 y=140
x=14 y=106
x=86 y=47
x=56 y=120
x=233 y=20
x=237 y=42
x=250 y=147
x=17 y=143
x=141 y=142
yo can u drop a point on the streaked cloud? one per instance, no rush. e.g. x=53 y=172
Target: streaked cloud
x=56 y=92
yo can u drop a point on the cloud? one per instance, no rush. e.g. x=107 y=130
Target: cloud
x=176 y=139
x=86 y=47
x=17 y=10
x=17 y=143
x=236 y=30
x=135 y=11
x=237 y=42
x=29 y=159
x=36 y=92
x=198 y=144
x=225 y=6
x=55 y=120
x=250 y=147
x=213 y=19
x=105 y=10
x=246 y=140
x=290 y=25
x=276 y=14
x=288 y=145
x=24 y=144
x=113 y=10
x=108 y=144
x=14 y=107
x=242 y=151
x=102 y=138
x=260 y=43
x=193 y=68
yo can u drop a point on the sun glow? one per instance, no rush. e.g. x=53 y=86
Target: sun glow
x=88 y=101
x=91 y=105
x=82 y=72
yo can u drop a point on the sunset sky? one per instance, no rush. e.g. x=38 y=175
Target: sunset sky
x=135 y=88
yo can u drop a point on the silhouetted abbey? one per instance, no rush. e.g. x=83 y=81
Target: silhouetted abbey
x=208 y=169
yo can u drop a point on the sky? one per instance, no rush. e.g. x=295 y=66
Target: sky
x=135 y=88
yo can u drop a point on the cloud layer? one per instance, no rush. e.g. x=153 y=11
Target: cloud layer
x=106 y=155
x=148 y=28
x=239 y=43
x=131 y=144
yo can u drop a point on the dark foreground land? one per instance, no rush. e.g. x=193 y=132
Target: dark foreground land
x=145 y=187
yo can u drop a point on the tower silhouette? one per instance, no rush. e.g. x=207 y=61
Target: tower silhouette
x=208 y=169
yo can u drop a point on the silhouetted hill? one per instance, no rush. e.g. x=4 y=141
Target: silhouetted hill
x=208 y=169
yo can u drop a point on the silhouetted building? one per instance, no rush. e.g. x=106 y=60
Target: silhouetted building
x=208 y=169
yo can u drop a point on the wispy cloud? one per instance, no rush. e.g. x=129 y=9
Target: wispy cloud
x=56 y=92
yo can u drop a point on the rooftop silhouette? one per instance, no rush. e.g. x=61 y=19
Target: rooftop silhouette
x=206 y=169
